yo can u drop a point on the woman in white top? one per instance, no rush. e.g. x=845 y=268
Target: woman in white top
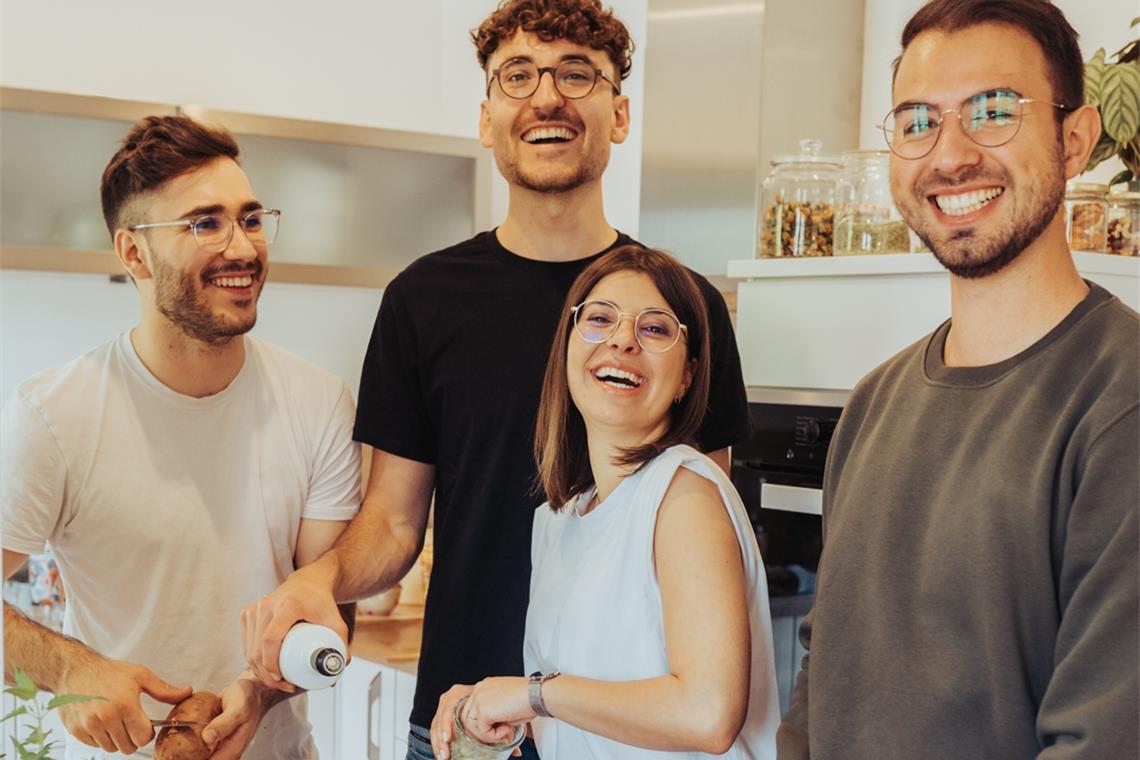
x=648 y=629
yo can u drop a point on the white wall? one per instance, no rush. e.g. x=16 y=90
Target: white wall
x=1100 y=24
x=399 y=65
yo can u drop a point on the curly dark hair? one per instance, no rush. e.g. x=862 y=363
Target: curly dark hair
x=583 y=22
x=155 y=151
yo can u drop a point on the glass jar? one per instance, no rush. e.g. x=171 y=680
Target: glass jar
x=866 y=220
x=1123 y=236
x=464 y=746
x=1086 y=216
x=798 y=202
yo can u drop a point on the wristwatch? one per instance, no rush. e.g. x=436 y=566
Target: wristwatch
x=534 y=692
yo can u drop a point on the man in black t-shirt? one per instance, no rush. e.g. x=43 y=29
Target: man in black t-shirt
x=453 y=373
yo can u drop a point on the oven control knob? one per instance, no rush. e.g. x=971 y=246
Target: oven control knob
x=811 y=431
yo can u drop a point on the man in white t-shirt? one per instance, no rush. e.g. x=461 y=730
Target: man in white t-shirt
x=180 y=471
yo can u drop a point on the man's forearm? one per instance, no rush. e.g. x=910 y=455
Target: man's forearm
x=368 y=557
x=40 y=652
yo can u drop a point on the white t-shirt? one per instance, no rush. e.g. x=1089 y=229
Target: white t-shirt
x=168 y=514
x=595 y=607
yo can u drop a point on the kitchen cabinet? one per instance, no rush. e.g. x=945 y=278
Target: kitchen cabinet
x=358 y=203
x=855 y=312
x=365 y=716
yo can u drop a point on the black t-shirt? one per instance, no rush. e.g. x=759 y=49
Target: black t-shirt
x=452 y=377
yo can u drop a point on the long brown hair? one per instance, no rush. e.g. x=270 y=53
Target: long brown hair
x=560 y=449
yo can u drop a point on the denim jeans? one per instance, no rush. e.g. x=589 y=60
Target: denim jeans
x=419 y=746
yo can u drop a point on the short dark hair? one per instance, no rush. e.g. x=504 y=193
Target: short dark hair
x=583 y=22
x=560 y=449
x=155 y=151
x=1040 y=19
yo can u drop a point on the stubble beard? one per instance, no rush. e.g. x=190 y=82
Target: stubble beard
x=965 y=252
x=549 y=178
x=179 y=296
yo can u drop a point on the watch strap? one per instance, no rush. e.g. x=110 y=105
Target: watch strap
x=534 y=692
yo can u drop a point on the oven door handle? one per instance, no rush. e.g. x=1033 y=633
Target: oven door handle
x=808 y=501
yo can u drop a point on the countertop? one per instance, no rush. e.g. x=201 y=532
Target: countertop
x=392 y=639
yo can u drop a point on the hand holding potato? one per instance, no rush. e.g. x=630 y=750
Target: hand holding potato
x=244 y=703
x=186 y=742
x=305 y=595
x=116 y=723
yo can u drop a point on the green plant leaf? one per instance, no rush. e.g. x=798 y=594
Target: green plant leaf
x=24 y=689
x=1119 y=179
x=1094 y=78
x=1104 y=150
x=67 y=699
x=1120 y=101
x=21 y=710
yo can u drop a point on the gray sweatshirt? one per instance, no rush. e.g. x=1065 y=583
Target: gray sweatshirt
x=977 y=594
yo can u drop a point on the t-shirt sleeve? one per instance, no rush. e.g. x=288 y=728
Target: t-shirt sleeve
x=1090 y=704
x=392 y=413
x=334 y=488
x=726 y=422
x=33 y=475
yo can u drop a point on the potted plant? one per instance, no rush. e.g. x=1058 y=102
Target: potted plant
x=1114 y=88
x=37 y=743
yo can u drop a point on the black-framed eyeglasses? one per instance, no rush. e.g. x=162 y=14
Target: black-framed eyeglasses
x=213 y=232
x=990 y=118
x=656 y=330
x=574 y=79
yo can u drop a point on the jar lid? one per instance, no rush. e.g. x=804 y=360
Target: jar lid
x=1086 y=187
x=809 y=154
x=1126 y=195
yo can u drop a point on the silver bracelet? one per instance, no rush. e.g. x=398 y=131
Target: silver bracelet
x=534 y=692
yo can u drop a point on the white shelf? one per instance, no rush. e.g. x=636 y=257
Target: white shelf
x=901 y=263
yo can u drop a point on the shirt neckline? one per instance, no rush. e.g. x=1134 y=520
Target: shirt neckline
x=135 y=365
x=938 y=372
x=509 y=255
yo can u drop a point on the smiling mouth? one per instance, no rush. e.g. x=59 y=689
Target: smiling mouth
x=232 y=281
x=618 y=378
x=960 y=204
x=548 y=135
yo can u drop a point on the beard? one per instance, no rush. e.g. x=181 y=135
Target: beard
x=179 y=296
x=969 y=253
x=551 y=178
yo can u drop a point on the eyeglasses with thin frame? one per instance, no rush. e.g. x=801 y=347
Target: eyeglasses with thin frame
x=990 y=118
x=213 y=232
x=574 y=79
x=656 y=330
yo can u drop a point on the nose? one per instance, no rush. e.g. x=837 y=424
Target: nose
x=546 y=97
x=625 y=335
x=240 y=247
x=954 y=149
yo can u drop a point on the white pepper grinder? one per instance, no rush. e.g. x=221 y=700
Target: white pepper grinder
x=312 y=656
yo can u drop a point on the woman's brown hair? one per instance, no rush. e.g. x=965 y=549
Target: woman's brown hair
x=560 y=449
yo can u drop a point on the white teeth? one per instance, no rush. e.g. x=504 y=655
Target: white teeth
x=233 y=282
x=548 y=133
x=966 y=203
x=609 y=374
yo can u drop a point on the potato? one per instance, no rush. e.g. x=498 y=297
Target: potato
x=185 y=742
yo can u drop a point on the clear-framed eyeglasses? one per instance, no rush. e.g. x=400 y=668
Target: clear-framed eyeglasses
x=574 y=79
x=990 y=118
x=213 y=232
x=656 y=330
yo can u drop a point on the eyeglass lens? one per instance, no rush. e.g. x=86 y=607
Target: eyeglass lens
x=989 y=118
x=573 y=79
x=655 y=330
x=215 y=231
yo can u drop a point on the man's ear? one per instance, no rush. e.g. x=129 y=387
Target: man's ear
x=1080 y=133
x=485 y=125
x=621 y=119
x=130 y=253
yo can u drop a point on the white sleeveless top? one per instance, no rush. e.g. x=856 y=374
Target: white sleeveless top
x=595 y=607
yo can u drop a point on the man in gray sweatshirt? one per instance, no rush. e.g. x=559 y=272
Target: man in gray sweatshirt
x=977 y=594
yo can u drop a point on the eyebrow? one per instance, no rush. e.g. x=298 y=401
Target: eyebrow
x=568 y=57
x=909 y=103
x=217 y=208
